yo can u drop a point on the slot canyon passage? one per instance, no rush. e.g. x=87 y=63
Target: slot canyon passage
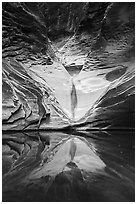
x=68 y=101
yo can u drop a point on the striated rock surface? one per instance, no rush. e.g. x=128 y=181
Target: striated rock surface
x=67 y=64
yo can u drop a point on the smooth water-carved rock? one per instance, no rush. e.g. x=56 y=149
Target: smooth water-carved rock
x=94 y=42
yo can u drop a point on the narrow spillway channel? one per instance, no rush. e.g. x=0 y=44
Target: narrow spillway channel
x=73 y=100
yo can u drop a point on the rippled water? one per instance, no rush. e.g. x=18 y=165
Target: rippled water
x=57 y=166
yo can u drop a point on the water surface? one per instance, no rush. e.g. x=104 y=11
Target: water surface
x=69 y=166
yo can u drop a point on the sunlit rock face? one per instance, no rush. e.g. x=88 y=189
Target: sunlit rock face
x=68 y=64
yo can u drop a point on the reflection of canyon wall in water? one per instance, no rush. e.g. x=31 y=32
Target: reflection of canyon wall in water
x=71 y=159
x=56 y=166
x=95 y=37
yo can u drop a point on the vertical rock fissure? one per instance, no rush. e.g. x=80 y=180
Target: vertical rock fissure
x=74 y=100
